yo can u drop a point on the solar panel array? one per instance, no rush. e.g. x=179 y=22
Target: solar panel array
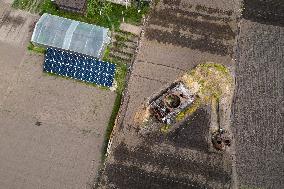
x=79 y=67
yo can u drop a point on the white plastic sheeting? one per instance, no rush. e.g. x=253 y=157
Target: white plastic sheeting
x=58 y=32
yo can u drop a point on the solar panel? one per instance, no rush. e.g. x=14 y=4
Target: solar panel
x=79 y=67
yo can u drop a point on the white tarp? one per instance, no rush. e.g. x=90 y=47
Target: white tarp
x=62 y=33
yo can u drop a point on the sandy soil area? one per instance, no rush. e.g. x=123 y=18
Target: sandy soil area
x=51 y=129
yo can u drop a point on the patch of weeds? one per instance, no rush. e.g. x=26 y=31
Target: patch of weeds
x=214 y=80
x=156 y=2
x=106 y=53
x=111 y=124
x=120 y=76
x=165 y=129
x=121 y=38
x=121 y=71
x=190 y=110
x=219 y=67
x=102 y=13
x=33 y=6
x=37 y=49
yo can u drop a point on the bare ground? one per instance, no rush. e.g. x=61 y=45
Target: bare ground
x=51 y=129
x=15 y=25
x=258 y=107
x=176 y=39
x=258 y=104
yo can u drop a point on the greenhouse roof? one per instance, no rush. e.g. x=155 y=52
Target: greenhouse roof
x=58 y=32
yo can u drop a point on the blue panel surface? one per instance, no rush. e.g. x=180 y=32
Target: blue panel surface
x=79 y=67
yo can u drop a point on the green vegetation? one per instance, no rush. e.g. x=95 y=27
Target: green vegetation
x=33 y=6
x=210 y=81
x=120 y=75
x=32 y=47
x=104 y=13
x=219 y=67
x=165 y=129
x=214 y=80
x=190 y=110
x=106 y=53
x=111 y=124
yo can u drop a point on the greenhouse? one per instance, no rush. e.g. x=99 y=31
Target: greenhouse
x=71 y=35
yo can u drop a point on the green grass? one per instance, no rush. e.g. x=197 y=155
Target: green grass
x=36 y=49
x=190 y=110
x=120 y=76
x=221 y=68
x=111 y=124
x=33 y=6
x=103 y=14
x=121 y=69
x=165 y=129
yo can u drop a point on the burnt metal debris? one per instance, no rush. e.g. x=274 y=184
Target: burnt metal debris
x=221 y=140
x=169 y=102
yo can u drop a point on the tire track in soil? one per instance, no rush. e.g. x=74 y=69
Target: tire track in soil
x=203 y=44
x=269 y=12
x=211 y=24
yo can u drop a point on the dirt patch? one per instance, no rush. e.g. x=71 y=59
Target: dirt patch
x=201 y=44
x=133 y=175
x=52 y=129
x=195 y=26
x=169 y=48
x=15 y=21
x=211 y=10
x=258 y=120
x=15 y=26
x=172 y=2
x=169 y=164
x=264 y=11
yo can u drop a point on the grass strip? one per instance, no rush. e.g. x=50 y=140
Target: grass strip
x=36 y=49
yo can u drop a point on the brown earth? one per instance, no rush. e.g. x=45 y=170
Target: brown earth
x=176 y=39
x=51 y=129
x=258 y=114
